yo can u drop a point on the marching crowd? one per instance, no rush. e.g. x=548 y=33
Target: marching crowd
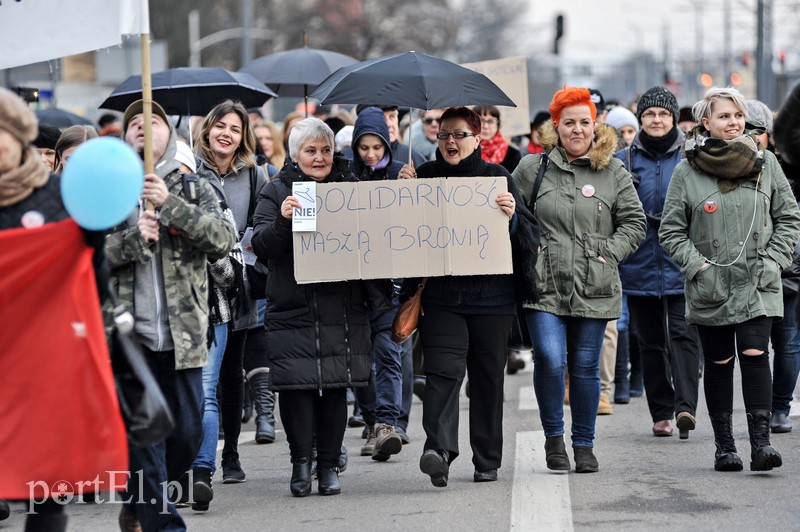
x=652 y=246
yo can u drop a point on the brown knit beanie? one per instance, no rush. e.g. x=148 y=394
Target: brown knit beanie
x=17 y=118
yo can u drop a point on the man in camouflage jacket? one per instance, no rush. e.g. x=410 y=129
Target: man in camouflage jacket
x=158 y=260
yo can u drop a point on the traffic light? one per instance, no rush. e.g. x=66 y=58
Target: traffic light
x=736 y=79
x=559 y=32
x=705 y=79
x=782 y=59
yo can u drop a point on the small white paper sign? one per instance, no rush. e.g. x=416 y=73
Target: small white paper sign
x=247 y=247
x=305 y=217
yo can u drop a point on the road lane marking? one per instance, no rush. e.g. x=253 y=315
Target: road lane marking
x=527 y=398
x=539 y=499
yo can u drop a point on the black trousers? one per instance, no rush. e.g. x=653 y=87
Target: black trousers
x=456 y=344
x=231 y=382
x=305 y=413
x=670 y=353
x=726 y=342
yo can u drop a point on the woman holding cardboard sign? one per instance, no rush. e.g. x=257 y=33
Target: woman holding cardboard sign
x=467 y=319
x=591 y=219
x=318 y=335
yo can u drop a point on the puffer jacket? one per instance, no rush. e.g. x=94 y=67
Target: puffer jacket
x=700 y=222
x=649 y=271
x=587 y=208
x=318 y=335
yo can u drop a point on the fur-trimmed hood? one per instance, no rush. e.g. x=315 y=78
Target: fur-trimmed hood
x=601 y=152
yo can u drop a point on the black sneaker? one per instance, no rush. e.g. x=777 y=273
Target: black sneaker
x=232 y=471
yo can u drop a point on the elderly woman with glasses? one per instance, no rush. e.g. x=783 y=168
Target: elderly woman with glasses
x=318 y=335
x=467 y=319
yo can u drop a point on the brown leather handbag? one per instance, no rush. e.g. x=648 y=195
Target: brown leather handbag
x=405 y=322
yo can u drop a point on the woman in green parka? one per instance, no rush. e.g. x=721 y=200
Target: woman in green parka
x=730 y=222
x=590 y=219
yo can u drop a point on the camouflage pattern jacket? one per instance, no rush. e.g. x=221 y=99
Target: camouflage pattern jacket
x=190 y=234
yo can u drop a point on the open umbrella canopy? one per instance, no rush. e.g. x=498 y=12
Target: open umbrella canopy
x=409 y=79
x=60 y=118
x=296 y=72
x=192 y=90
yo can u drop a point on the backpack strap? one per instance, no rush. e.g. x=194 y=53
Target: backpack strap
x=538 y=182
x=251 y=208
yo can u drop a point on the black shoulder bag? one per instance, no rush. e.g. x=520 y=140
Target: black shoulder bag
x=147 y=416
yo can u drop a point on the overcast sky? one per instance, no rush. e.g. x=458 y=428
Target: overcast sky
x=607 y=30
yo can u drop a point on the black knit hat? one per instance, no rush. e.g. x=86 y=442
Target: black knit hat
x=657 y=97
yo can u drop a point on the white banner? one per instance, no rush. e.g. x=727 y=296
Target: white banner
x=40 y=30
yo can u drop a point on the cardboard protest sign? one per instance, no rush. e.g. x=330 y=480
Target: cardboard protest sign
x=511 y=75
x=405 y=228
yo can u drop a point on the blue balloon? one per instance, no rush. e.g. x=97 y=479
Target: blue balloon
x=102 y=183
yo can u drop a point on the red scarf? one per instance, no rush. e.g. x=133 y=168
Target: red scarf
x=494 y=149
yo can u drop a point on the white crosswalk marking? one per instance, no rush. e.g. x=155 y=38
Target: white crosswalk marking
x=527 y=399
x=540 y=499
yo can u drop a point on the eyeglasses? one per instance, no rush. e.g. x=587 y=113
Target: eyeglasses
x=650 y=115
x=489 y=121
x=429 y=121
x=458 y=135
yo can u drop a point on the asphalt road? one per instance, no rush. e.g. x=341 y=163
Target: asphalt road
x=644 y=483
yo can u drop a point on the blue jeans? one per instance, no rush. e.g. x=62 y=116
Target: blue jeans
x=559 y=340
x=387 y=357
x=207 y=455
x=154 y=465
x=407 y=361
x=786 y=362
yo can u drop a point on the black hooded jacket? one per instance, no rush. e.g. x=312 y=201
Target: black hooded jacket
x=485 y=294
x=371 y=121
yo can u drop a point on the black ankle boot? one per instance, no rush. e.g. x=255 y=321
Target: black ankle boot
x=556 y=453
x=763 y=456
x=585 y=460
x=725 y=457
x=300 y=485
x=202 y=490
x=328 y=478
x=264 y=404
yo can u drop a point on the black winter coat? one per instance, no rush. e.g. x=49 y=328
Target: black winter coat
x=318 y=335
x=485 y=294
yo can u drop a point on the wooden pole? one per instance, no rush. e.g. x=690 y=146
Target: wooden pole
x=147 y=108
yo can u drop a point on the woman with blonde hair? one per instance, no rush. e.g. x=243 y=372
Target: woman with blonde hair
x=268 y=136
x=731 y=222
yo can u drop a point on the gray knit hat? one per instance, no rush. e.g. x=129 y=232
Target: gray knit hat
x=657 y=97
x=758 y=110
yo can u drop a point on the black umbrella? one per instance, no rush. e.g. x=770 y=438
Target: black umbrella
x=296 y=72
x=410 y=79
x=60 y=118
x=192 y=91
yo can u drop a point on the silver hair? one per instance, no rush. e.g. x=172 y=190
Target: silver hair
x=307 y=130
x=703 y=108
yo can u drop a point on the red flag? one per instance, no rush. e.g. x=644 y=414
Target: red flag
x=58 y=404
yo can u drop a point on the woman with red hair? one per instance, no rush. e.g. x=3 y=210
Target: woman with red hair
x=590 y=219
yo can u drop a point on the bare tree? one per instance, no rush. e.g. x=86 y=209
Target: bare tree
x=489 y=30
